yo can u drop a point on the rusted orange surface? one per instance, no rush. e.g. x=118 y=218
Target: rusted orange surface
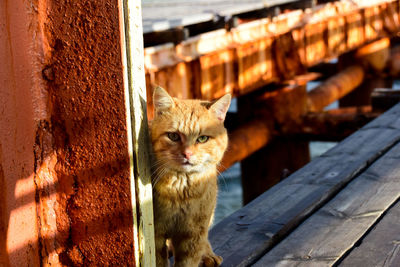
x=64 y=177
x=20 y=109
x=88 y=120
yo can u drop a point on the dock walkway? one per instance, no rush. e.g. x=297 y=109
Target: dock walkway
x=169 y=14
x=176 y=20
x=340 y=209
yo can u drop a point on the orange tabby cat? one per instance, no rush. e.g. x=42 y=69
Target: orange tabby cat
x=189 y=140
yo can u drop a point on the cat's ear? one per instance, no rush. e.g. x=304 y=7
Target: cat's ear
x=161 y=99
x=220 y=107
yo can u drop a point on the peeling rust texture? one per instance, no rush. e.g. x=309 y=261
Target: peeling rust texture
x=46 y=182
x=94 y=216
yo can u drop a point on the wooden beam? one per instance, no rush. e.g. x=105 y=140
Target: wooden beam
x=335 y=87
x=333 y=125
x=137 y=127
x=375 y=55
x=244 y=141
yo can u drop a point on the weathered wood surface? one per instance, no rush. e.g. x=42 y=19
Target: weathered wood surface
x=325 y=237
x=137 y=128
x=381 y=247
x=249 y=233
x=257 y=53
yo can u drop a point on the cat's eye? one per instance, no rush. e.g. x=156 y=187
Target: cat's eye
x=174 y=137
x=202 y=139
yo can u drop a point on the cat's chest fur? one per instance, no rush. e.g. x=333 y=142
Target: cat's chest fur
x=179 y=188
x=185 y=200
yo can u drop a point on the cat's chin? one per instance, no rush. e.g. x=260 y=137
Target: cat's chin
x=190 y=168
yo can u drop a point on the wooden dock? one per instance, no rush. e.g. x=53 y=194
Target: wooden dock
x=335 y=209
x=341 y=209
x=266 y=62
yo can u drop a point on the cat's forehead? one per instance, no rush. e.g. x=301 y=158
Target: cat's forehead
x=191 y=117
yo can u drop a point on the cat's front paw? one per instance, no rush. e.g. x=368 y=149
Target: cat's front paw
x=210 y=260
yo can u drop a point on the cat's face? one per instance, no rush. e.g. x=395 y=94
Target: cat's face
x=188 y=135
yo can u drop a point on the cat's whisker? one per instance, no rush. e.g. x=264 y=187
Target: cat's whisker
x=223 y=179
x=157 y=179
x=157 y=164
x=160 y=167
x=159 y=172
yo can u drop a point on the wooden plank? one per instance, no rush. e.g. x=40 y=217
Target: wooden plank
x=381 y=247
x=247 y=234
x=333 y=230
x=138 y=141
x=159 y=57
x=375 y=55
x=203 y=44
x=176 y=79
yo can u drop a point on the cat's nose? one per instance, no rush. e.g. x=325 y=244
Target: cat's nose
x=187 y=153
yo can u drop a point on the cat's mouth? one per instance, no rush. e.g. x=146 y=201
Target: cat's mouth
x=186 y=162
x=187 y=165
